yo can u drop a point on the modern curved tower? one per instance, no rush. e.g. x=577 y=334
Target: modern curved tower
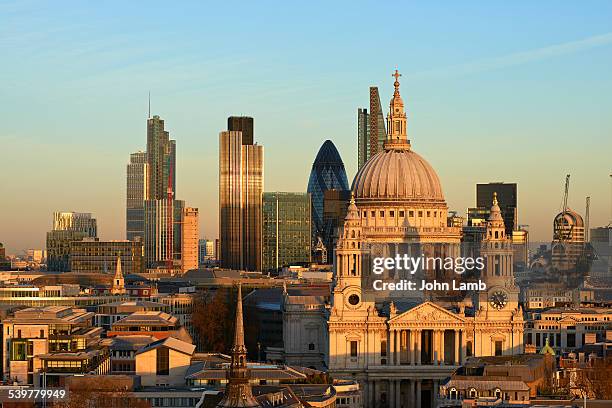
x=327 y=173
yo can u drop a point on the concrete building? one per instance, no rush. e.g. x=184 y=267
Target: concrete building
x=286 y=229
x=566 y=329
x=240 y=200
x=511 y=380
x=33 y=333
x=137 y=191
x=164 y=363
x=91 y=255
x=189 y=239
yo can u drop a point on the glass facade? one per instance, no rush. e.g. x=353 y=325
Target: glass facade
x=58 y=249
x=160 y=242
x=137 y=191
x=240 y=199
x=286 y=229
x=327 y=173
x=94 y=256
x=363 y=136
x=161 y=159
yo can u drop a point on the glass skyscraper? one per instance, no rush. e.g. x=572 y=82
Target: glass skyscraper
x=327 y=173
x=161 y=159
x=286 y=229
x=136 y=194
x=240 y=197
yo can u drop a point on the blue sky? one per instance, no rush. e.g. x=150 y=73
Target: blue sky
x=516 y=92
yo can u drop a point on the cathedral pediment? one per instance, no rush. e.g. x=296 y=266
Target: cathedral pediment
x=427 y=312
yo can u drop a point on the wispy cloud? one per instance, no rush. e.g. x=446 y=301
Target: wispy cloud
x=518 y=58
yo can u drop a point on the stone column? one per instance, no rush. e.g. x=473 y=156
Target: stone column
x=417 y=349
x=391 y=347
x=456 y=359
x=435 y=345
x=412 y=396
x=418 y=393
x=442 y=333
x=391 y=394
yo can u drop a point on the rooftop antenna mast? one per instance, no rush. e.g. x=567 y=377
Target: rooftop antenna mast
x=149 y=104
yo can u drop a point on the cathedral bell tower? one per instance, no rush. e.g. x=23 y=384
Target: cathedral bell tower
x=397 y=133
x=118 y=286
x=501 y=296
x=348 y=294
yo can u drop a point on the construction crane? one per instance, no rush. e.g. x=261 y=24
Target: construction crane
x=561 y=234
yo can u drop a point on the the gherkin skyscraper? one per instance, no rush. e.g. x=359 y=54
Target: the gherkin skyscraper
x=327 y=173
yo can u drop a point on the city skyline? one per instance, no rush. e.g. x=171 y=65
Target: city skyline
x=500 y=109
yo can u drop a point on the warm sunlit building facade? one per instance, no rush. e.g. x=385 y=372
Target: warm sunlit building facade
x=401 y=348
x=240 y=200
x=189 y=239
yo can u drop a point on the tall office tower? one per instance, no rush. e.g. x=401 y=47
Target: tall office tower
x=363 y=136
x=74 y=221
x=5 y=264
x=136 y=194
x=378 y=134
x=335 y=205
x=327 y=173
x=189 y=242
x=240 y=199
x=507 y=198
x=162 y=243
x=286 y=229
x=161 y=159
x=242 y=124
x=91 y=255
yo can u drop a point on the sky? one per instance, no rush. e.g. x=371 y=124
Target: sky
x=494 y=91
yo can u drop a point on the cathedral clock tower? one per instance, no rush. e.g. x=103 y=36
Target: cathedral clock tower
x=500 y=299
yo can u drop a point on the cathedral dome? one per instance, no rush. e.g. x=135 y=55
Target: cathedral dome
x=398 y=174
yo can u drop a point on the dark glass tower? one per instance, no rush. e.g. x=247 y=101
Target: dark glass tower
x=327 y=173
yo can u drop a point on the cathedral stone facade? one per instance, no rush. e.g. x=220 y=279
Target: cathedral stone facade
x=400 y=348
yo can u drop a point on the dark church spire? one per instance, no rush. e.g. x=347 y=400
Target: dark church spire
x=238 y=391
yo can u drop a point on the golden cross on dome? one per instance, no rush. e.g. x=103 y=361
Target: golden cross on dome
x=396 y=75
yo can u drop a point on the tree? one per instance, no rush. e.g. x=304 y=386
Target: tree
x=213 y=321
x=595 y=380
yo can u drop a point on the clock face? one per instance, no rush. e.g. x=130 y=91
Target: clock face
x=353 y=299
x=498 y=299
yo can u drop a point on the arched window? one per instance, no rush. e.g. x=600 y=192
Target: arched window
x=468 y=348
x=453 y=393
x=498 y=393
x=473 y=393
x=353 y=234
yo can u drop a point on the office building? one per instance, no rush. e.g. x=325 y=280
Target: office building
x=286 y=229
x=363 y=136
x=34 y=335
x=507 y=197
x=327 y=173
x=240 y=200
x=335 y=204
x=378 y=134
x=189 y=238
x=92 y=255
x=601 y=242
x=206 y=251
x=243 y=124
x=162 y=236
x=74 y=221
x=161 y=159
x=5 y=263
x=58 y=249
x=136 y=193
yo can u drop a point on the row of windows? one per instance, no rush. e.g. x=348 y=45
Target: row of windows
x=402 y=213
